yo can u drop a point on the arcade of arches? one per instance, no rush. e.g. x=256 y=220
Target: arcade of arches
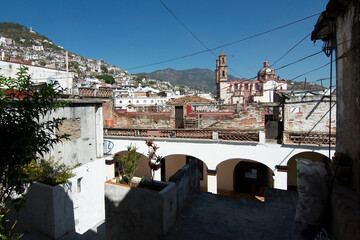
x=233 y=175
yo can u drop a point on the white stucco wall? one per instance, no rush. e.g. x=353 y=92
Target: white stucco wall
x=39 y=74
x=212 y=153
x=88 y=195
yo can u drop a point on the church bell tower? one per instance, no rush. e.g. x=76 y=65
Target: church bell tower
x=221 y=77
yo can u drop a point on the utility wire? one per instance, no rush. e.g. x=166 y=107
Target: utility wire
x=227 y=44
x=193 y=34
x=291 y=49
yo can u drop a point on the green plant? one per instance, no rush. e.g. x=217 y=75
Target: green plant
x=107 y=78
x=154 y=159
x=9 y=234
x=48 y=171
x=25 y=132
x=129 y=163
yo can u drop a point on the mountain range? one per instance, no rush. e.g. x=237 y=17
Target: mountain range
x=204 y=79
x=195 y=78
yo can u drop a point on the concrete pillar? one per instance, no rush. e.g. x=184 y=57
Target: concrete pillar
x=99 y=128
x=212 y=181
x=280 y=179
x=157 y=175
x=262 y=137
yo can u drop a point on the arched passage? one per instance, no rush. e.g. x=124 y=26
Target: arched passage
x=175 y=162
x=245 y=176
x=292 y=166
x=252 y=178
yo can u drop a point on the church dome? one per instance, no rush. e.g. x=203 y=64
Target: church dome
x=266 y=69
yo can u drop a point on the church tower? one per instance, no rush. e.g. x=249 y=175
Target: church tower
x=221 y=77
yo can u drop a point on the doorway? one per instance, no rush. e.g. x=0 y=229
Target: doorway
x=179 y=117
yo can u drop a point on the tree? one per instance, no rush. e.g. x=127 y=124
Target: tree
x=104 y=68
x=107 y=78
x=25 y=132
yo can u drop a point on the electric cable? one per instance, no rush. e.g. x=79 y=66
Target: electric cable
x=193 y=34
x=292 y=48
x=225 y=45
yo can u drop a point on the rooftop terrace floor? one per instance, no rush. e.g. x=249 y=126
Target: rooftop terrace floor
x=211 y=216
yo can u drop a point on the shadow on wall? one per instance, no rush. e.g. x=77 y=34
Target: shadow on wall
x=48 y=210
x=146 y=212
x=139 y=213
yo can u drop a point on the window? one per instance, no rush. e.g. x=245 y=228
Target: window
x=246 y=86
x=137 y=101
x=79 y=185
x=129 y=101
x=144 y=101
x=223 y=73
x=222 y=60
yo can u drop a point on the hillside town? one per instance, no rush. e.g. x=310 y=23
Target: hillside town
x=137 y=158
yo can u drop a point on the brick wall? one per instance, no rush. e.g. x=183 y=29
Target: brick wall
x=247 y=118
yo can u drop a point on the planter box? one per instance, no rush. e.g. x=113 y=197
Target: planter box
x=139 y=213
x=48 y=210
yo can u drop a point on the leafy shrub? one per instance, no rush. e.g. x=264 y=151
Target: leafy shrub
x=129 y=163
x=48 y=171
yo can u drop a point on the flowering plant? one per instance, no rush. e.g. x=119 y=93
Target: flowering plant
x=154 y=159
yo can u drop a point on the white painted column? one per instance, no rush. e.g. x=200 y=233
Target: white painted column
x=262 y=137
x=212 y=181
x=280 y=179
x=157 y=175
x=99 y=134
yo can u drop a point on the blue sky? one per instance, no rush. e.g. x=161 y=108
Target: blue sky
x=132 y=33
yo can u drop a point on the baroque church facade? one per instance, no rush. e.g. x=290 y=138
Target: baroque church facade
x=264 y=89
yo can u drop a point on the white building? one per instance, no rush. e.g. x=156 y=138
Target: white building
x=39 y=74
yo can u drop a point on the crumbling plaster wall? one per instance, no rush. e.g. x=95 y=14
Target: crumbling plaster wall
x=251 y=117
x=84 y=124
x=309 y=114
x=345 y=200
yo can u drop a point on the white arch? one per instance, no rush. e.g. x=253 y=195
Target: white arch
x=213 y=152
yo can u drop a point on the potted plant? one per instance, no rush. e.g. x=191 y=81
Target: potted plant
x=128 y=163
x=143 y=212
x=48 y=207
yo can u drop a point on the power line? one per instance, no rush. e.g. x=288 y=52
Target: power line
x=292 y=48
x=193 y=34
x=301 y=59
x=225 y=45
